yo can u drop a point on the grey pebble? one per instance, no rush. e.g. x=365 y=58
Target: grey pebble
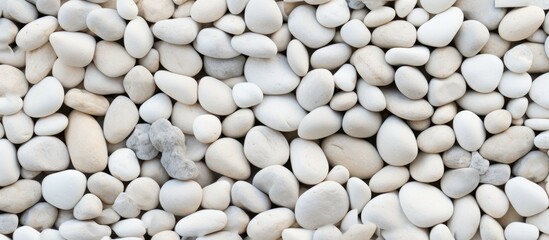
x=178 y=166
x=164 y=136
x=456 y=157
x=140 y=143
x=125 y=206
x=479 y=163
x=497 y=174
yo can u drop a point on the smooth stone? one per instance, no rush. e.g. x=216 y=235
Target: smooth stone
x=520 y=23
x=83 y=133
x=539 y=86
x=518 y=59
x=214 y=43
x=39 y=63
x=270 y=224
x=317 y=206
x=515 y=85
x=539 y=221
x=225 y=69
x=459 y=182
x=86 y=102
x=73 y=48
x=180 y=198
x=215 y=96
x=444 y=113
x=157 y=107
x=247 y=94
x=237 y=219
x=238 y=123
x=106 y=24
x=443 y=62
x=359 y=193
x=138 y=38
x=173 y=56
x=125 y=206
x=338 y=174
x=89 y=207
x=264 y=147
x=107 y=216
x=441 y=29
x=436 y=139
x=236 y=166
x=97 y=82
x=425 y=205
x=406 y=108
x=157 y=221
x=417 y=17
x=120 y=119
x=519 y=230
x=471 y=38
x=343 y=101
x=331 y=56
x=427 y=167
x=123 y=164
x=64 y=189
x=72 y=230
x=309 y=163
x=286 y=190
x=9 y=223
x=144 y=191
x=469 y=130
x=162 y=30
x=305 y=27
x=248 y=197
x=404 y=8
x=201 y=223
x=490 y=228
x=360 y=123
x=370 y=97
x=280 y=80
x=319 y=123
x=355 y=33
x=357 y=155
x=397 y=33
x=379 y=16
x=127 y=9
x=476 y=73
x=481 y=103
x=11 y=170
x=492 y=200
x=526 y=197
x=298 y=57
x=483 y=11
x=112 y=59
x=465 y=221
x=233 y=24
x=434 y=7
x=440 y=231
x=217 y=195
x=181 y=88
x=40 y=102
x=262 y=17
x=540 y=61
x=154 y=11
x=12 y=81
x=370 y=64
x=288 y=122
x=208 y=11
x=72 y=16
x=10 y=104
x=20 y=196
x=254 y=45
x=497 y=148
x=132 y=227
x=207 y=128
x=43 y=154
x=18 y=127
x=333 y=13
x=183 y=116
x=533 y=166
x=389 y=178
x=105 y=186
x=26 y=232
x=414 y=56
x=327 y=232
x=35 y=34
x=497 y=174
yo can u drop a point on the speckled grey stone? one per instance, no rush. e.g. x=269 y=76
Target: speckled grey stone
x=456 y=157
x=8 y=223
x=224 y=68
x=125 y=206
x=479 y=163
x=497 y=174
x=178 y=166
x=164 y=136
x=140 y=143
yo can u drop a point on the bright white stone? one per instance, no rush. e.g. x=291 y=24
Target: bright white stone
x=157 y=107
x=138 y=38
x=425 y=205
x=73 y=48
x=441 y=29
x=396 y=142
x=64 y=189
x=526 y=197
x=325 y=203
x=206 y=128
x=469 y=130
x=520 y=23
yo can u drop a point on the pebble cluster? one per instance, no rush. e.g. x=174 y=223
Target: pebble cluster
x=266 y=120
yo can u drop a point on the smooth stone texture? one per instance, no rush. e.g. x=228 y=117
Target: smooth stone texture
x=469 y=130
x=397 y=33
x=519 y=230
x=72 y=16
x=201 y=223
x=424 y=205
x=459 y=182
x=254 y=45
x=43 y=154
x=492 y=200
x=248 y=197
x=518 y=59
x=138 y=38
x=123 y=164
x=180 y=198
x=238 y=123
x=247 y=94
x=379 y=16
x=215 y=43
x=180 y=59
x=86 y=102
x=215 y=96
x=355 y=33
x=286 y=190
x=497 y=174
x=10 y=104
x=436 y=139
x=533 y=166
x=357 y=155
x=508 y=146
x=397 y=151
x=465 y=221
x=179 y=87
x=319 y=123
x=490 y=228
x=264 y=147
x=105 y=186
x=270 y=224
x=406 y=108
x=157 y=220
x=97 y=82
x=72 y=230
x=11 y=170
x=304 y=26
x=162 y=30
x=414 y=56
x=106 y=23
x=443 y=62
x=427 y=167
x=482 y=72
x=515 y=85
x=279 y=80
x=225 y=69
x=120 y=120
x=20 y=196
x=471 y=38
x=539 y=86
x=441 y=29
x=127 y=9
x=370 y=64
x=389 y=178
x=67 y=75
x=157 y=107
x=520 y=23
x=64 y=189
x=18 y=127
x=39 y=62
x=44 y=98
x=207 y=128
x=217 y=195
x=73 y=48
x=35 y=34
x=233 y=24
x=331 y=56
x=317 y=206
x=235 y=166
x=112 y=59
x=298 y=57
x=88 y=207
x=83 y=133
x=481 y=103
x=359 y=193
x=359 y=122
x=287 y=122
x=526 y=197
x=309 y=163
x=483 y=11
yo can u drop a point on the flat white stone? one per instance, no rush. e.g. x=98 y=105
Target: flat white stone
x=264 y=147
x=36 y=33
x=235 y=166
x=233 y=24
x=215 y=96
x=201 y=223
x=319 y=123
x=333 y=13
x=519 y=59
x=471 y=38
x=157 y=107
x=262 y=17
x=508 y=146
x=208 y=11
x=325 y=203
x=379 y=16
x=64 y=189
x=425 y=205
x=427 y=167
x=18 y=127
x=163 y=30
x=254 y=45
x=469 y=130
x=289 y=121
x=106 y=23
x=411 y=82
x=370 y=64
x=11 y=170
x=72 y=15
x=519 y=230
x=492 y=200
x=112 y=59
x=465 y=221
x=83 y=133
x=207 y=128
x=360 y=123
x=73 y=48
x=138 y=38
x=355 y=33
x=248 y=197
x=441 y=29
x=397 y=151
x=389 y=178
x=304 y=26
x=215 y=43
x=526 y=197
x=270 y=224
x=180 y=198
x=482 y=72
x=43 y=154
x=279 y=80
x=458 y=183
x=396 y=33
x=520 y=23
x=172 y=56
x=414 y=56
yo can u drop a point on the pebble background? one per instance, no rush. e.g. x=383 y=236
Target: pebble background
x=266 y=120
